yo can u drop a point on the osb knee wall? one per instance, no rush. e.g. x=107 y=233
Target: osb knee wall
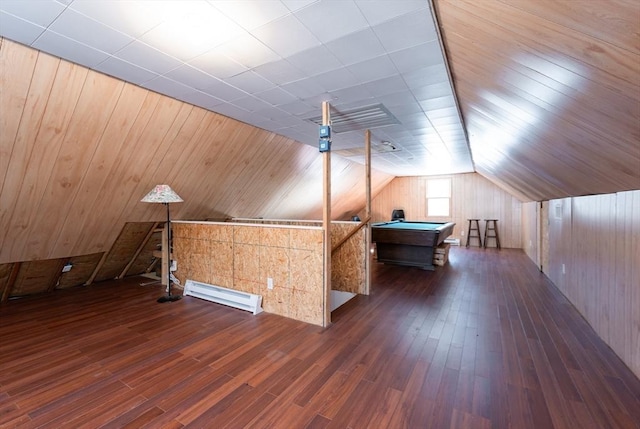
x=348 y=263
x=243 y=257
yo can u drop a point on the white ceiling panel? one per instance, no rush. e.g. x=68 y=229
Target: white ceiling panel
x=356 y=47
x=126 y=71
x=69 y=49
x=328 y=22
x=270 y=63
x=251 y=14
x=18 y=29
x=85 y=30
x=39 y=12
x=145 y=56
x=286 y=36
x=377 y=11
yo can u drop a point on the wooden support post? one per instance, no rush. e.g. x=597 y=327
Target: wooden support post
x=326 y=221
x=367 y=213
x=13 y=276
x=97 y=269
x=138 y=250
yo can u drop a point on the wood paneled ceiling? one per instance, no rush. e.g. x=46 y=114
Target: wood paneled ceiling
x=549 y=91
x=271 y=63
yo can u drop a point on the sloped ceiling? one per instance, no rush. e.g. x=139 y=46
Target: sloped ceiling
x=549 y=91
x=79 y=149
x=271 y=63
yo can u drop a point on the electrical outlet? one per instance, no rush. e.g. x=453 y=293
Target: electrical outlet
x=269 y=283
x=563 y=270
x=174 y=265
x=462 y=233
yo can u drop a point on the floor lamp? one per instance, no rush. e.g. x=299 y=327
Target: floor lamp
x=165 y=195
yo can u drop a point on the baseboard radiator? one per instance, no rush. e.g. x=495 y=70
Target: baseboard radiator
x=220 y=295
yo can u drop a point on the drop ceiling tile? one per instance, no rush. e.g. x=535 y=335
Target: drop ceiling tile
x=249 y=82
x=304 y=88
x=294 y=5
x=199 y=98
x=426 y=76
x=298 y=108
x=373 y=69
x=356 y=47
x=191 y=77
x=275 y=96
x=251 y=14
x=39 y=12
x=352 y=97
x=279 y=72
x=133 y=18
x=19 y=30
x=164 y=85
x=223 y=91
x=328 y=22
x=69 y=49
x=377 y=11
x=417 y=57
x=199 y=29
x=400 y=98
x=125 y=71
x=286 y=36
x=315 y=61
x=231 y=111
x=84 y=30
x=248 y=51
x=251 y=103
x=147 y=57
x=432 y=91
x=406 y=31
x=438 y=102
x=336 y=79
x=215 y=63
x=388 y=85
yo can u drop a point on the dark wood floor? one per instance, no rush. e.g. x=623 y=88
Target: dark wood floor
x=485 y=342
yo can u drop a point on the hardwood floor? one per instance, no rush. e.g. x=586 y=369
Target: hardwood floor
x=484 y=342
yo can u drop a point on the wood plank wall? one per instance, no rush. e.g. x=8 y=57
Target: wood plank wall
x=530 y=242
x=472 y=196
x=79 y=149
x=549 y=90
x=597 y=241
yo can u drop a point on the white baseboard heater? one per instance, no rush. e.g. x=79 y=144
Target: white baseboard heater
x=218 y=294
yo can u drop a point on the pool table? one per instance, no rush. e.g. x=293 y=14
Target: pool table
x=409 y=243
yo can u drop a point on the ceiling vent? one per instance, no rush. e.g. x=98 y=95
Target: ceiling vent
x=376 y=149
x=361 y=118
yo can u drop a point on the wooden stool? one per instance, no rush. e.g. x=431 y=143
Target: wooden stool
x=491 y=225
x=474 y=226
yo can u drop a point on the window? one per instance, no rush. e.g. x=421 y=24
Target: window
x=438 y=197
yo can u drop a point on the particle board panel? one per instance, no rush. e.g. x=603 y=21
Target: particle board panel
x=83 y=267
x=5 y=279
x=37 y=277
x=348 y=263
x=146 y=257
x=204 y=253
x=123 y=249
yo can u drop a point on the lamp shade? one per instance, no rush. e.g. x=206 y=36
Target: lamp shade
x=162 y=194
